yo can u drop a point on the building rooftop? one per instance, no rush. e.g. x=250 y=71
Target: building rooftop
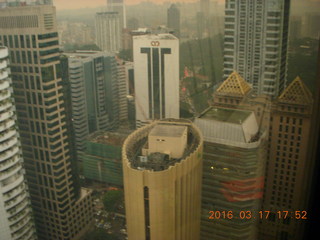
x=108 y=138
x=167 y=131
x=21 y=3
x=229 y=126
x=107 y=13
x=161 y=36
x=226 y=115
x=159 y=161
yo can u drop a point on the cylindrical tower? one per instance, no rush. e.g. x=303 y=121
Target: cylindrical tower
x=162 y=166
x=15 y=212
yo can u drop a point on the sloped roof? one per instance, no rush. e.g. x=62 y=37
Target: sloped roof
x=234 y=84
x=296 y=93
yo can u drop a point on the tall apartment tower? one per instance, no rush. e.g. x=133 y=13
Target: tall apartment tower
x=108 y=31
x=156 y=77
x=123 y=91
x=256 y=42
x=15 y=208
x=94 y=93
x=173 y=19
x=289 y=166
x=119 y=7
x=162 y=167
x=61 y=210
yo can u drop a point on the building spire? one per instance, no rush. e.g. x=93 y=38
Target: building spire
x=234 y=84
x=296 y=93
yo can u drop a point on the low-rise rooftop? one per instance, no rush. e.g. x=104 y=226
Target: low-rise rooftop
x=108 y=138
x=226 y=115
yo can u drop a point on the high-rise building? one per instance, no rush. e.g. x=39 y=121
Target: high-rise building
x=94 y=93
x=122 y=73
x=203 y=19
x=256 y=42
x=15 y=209
x=119 y=7
x=108 y=31
x=205 y=8
x=162 y=168
x=289 y=168
x=295 y=27
x=61 y=210
x=156 y=77
x=102 y=157
x=233 y=173
x=311 y=26
x=173 y=19
x=234 y=160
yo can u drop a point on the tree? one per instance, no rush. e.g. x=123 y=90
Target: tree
x=126 y=54
x=100 y=234
x=111 y=199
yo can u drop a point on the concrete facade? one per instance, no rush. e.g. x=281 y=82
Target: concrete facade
x=61 y=210
x=15 y=208
x=163 y=204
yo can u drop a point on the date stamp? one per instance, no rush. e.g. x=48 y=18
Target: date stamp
x=299 y=215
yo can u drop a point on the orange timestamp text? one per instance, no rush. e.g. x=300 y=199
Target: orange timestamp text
x=300 y=215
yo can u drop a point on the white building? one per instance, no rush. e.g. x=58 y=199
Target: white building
x=156 y=77
x=256 y=41
x=15 y=211
x=108 y=31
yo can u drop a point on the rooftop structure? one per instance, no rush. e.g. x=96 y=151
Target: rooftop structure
x=229 y=125
x=165 y=145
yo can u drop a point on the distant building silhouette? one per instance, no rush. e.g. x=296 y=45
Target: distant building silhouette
x=108 y=31
x=173 y=19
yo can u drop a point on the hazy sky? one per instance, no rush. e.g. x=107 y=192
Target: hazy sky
x=74 y=4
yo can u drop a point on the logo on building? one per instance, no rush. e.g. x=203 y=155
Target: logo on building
x=155 y=43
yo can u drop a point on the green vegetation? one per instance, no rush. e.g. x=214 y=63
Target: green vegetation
x=111 y=199
x=204 y=57
x=126 y=54
x=100 y=234
x=68 y=47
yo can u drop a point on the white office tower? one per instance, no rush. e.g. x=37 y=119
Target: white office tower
x=119 y=7
x=256 y=42
x=15 y=211
x=108 y=31
x=156 y=77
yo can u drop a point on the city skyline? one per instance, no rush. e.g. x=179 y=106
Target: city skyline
x=135 y=132
x=76 y=4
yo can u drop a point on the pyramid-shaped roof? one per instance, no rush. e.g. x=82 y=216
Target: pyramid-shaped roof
x=234 y=84
x=296 y=93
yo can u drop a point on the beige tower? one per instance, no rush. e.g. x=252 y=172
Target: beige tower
x=162 y=166
x=289 y=168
